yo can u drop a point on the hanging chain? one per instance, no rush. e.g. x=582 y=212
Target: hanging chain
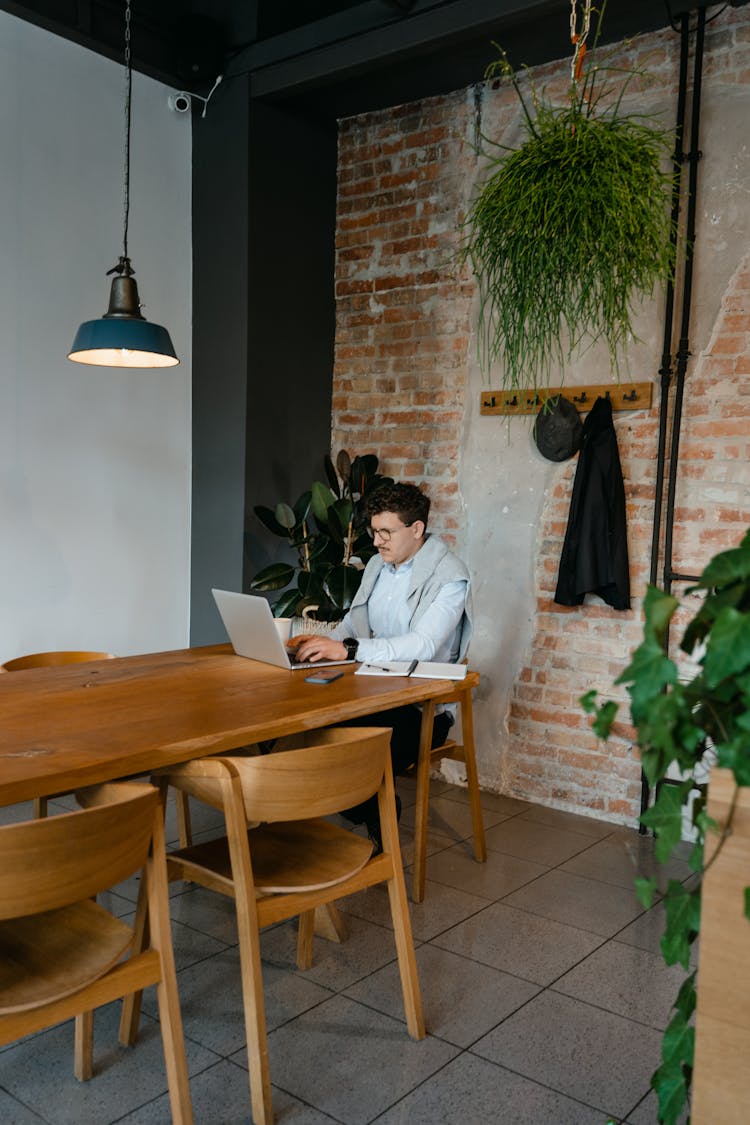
x=578 y=38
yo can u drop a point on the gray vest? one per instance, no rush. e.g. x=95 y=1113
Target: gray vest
x=434 y=565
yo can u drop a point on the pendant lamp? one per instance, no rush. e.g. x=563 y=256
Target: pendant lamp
x=123 y=337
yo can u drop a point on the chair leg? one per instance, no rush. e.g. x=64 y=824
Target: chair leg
x=40 y=807
x=173 y=1041
x=423 y=798
x=83 y=1064
x=305 y=934
x=131 y=1005
x=472 y=778
x=407 y=963
x=249 y=943
x=184 y=827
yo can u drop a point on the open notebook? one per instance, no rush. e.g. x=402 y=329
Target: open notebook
x=424 y=669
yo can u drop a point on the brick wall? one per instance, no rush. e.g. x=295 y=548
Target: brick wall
x=402 y=381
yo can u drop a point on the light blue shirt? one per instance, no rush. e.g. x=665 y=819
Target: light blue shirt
x=435 y=636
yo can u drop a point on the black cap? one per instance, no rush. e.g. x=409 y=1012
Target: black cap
x=558 y=429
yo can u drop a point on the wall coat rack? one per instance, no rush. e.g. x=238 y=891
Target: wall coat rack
x=623 y=396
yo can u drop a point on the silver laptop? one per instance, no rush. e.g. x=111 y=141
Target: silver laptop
x=249 y=622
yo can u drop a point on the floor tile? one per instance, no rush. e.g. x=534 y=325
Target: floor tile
x=647 y=931
x=451 y=818
x=533 y=948
x=597 y=1057
x=221 y=1096
x=491 y=802
x=623 y=856
x=646 y=1112
x=539 y=843
x=461 y=999
x=556 y=818
x=436 y=842
x=211 y=1000
x=335 y=966
x=207 y=911
x=626 y=980
x=473 y=1091
x=442 y=908
x=586 y=903
x=497 y=877
x=350 y=1061
x=124 y=1077
x=11 y=1111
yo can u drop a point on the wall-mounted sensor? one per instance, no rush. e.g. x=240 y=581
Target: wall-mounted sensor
x=180 y=103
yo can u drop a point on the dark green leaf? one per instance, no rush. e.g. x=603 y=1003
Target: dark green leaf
x=588 y=701
x=678 y=1043
x=322 y=498
x=302 y=506
x=735 y=756
x=658 y=609
x=331 y=475
x=648 y=673
x=747 y=903
x=683 y=908
x=644 y=890
x=285 y=516
x=311 y=586
x=727 y=567
x=286 y=606
x=268 y=519
x=605 y=716
x=273 y=577
x=343 y=583
x=671 y=1089
x=728 y=648
x=686 y=997
x=344 y=465
x=665 y=817
x=342 y=511
x=700 y=626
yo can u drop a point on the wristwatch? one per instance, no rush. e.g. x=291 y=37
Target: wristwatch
x=351 y=644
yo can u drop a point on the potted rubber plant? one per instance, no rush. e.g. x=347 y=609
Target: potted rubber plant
x=686 y=722
x=326 y=530
x=567 y=228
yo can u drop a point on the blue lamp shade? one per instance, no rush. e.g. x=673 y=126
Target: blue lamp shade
x=122 y=337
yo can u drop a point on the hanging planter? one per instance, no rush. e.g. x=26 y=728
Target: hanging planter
x=571 y=226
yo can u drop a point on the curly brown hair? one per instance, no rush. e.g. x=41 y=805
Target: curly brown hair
x=407 y=501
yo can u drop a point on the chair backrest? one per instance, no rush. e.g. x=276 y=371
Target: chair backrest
x=50 y=659
x=49 y=863
x=341 y=768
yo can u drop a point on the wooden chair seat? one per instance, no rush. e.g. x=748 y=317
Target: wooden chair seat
x=304 y=855
x=48 y=956
x=294 y=861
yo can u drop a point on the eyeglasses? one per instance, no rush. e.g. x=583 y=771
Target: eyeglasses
x=385 y=533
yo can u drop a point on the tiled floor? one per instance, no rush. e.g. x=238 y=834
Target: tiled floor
x=544 y=994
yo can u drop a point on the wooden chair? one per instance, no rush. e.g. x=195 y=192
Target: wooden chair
x=293 y=861
x=49 y=660
x=460 y=693
x=61 y=954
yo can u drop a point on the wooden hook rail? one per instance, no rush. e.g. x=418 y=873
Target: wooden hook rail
x=623 y=396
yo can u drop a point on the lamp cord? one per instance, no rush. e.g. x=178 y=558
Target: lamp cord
x=128 y=91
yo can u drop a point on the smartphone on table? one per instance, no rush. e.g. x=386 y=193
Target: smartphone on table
x=322 y=677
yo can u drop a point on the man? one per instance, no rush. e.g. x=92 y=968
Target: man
x=413 y=604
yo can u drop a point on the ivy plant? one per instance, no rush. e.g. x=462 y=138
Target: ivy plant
x=684 y=724
x=326 y=528
x=570 y=226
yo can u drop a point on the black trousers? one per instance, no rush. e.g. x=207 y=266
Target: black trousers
x=405 y=723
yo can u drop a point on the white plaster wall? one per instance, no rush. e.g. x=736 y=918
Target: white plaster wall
x=94 y=462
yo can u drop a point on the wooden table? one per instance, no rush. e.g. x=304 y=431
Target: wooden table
x=80 y=724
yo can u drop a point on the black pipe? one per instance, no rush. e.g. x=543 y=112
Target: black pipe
x=683 y=351
x=666 y=359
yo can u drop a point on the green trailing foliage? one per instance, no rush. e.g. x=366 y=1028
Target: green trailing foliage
x=569 y=227
x=683 y=724
x=326 y=529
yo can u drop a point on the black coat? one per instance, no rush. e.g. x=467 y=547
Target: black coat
x=594 y=557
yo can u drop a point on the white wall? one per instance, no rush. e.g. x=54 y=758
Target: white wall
x=94 y=462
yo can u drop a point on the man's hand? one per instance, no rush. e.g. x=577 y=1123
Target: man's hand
x=313 y=647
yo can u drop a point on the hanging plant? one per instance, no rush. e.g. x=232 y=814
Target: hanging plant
x=572 y=225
